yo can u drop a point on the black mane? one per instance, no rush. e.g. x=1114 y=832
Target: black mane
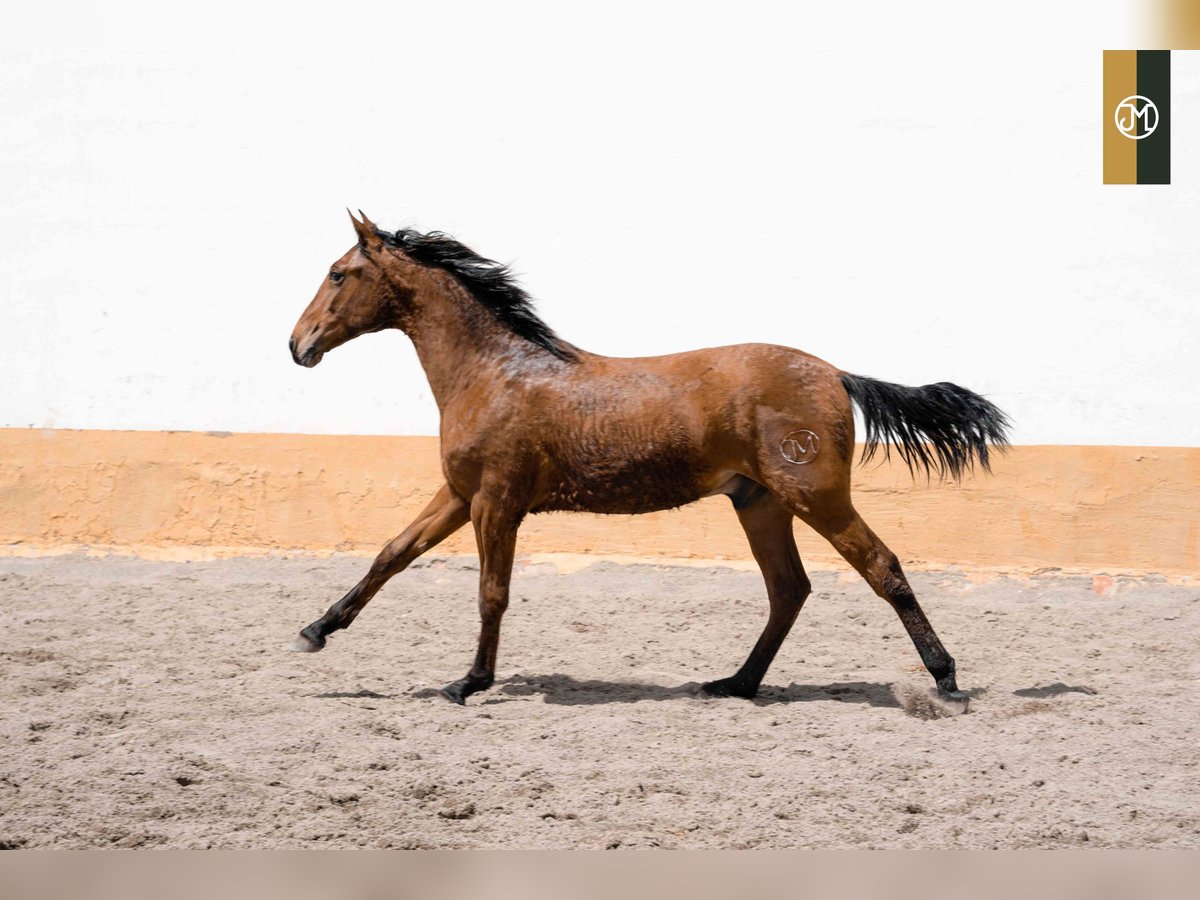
x=489 y=282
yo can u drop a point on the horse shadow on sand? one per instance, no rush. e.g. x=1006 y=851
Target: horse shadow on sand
x=567 y=691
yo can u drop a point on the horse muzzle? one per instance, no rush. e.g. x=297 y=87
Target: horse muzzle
x=308 y=358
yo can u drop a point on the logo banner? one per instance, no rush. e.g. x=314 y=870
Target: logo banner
x=1137 y=117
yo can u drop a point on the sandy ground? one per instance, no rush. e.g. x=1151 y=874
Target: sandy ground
x=153 y=704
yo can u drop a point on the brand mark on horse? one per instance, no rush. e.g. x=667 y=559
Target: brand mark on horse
x=800 y=446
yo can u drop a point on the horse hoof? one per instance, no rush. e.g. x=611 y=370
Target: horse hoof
x=955 y=702
x=304 y=644
x=454 y=693
x=727 y=687
x=459 y=691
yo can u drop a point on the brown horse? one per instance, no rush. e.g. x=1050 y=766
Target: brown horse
x=530 y=423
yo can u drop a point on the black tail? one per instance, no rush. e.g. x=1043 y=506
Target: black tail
x=941 y=428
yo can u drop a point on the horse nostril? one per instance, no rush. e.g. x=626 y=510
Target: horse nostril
x=314 y=330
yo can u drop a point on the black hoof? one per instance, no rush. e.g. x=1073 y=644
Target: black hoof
x=309 y=641
x=729 y=687
x=957 y=699
x=454 y=693
x=459 y=691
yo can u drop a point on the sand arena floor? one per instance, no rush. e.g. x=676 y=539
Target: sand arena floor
x=150 y=704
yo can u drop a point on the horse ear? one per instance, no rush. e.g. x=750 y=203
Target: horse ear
x=367 y=238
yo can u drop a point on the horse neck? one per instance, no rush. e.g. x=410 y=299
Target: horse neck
x=460 y=344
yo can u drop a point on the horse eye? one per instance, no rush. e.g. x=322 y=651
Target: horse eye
x=336 y=277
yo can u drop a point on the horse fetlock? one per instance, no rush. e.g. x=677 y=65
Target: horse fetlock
x=944 y=674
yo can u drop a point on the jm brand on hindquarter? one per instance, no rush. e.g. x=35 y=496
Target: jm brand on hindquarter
x=530 y=422
x=800 y=447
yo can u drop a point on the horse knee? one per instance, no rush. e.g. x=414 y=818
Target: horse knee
x=493 y=602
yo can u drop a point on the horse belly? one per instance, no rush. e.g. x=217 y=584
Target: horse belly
x=625 y=480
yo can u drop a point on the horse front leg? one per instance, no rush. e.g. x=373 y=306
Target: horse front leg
x=445 y=514
x=496 y=523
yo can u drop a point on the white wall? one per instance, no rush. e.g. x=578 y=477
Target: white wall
x=911 y=191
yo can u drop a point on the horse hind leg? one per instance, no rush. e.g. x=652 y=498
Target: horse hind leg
x=841 y=525
x=768 y=527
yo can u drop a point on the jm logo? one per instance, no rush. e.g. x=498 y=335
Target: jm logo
x=800 y=447
x=1128 y=114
